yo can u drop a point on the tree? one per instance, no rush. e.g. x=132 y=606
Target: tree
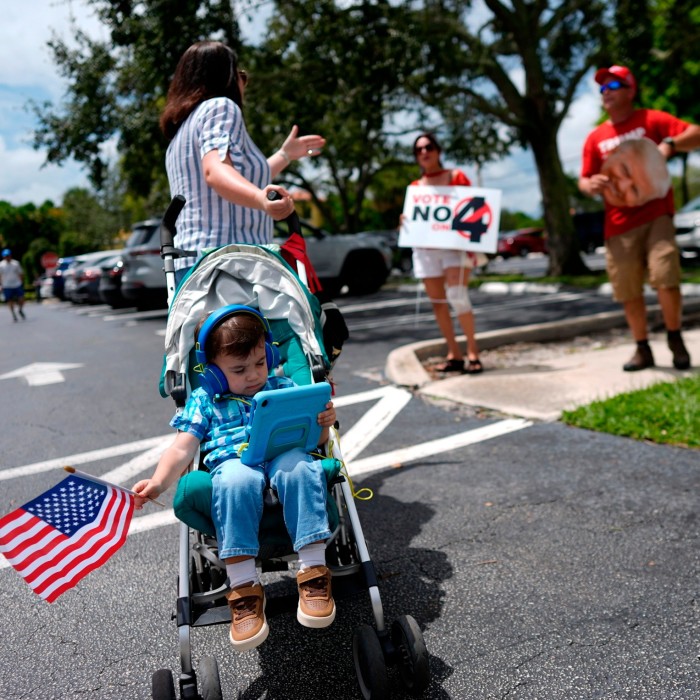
x=338 y=69
x=117 y=87
x=517 y=65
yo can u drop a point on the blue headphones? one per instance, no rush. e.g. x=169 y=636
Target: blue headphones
x=211 y=378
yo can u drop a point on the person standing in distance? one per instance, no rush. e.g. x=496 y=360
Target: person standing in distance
x=11 y=282
x=445 y=273
x=639 y=231
x=212 y=161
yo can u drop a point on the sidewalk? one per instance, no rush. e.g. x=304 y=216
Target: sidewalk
x=544 y=380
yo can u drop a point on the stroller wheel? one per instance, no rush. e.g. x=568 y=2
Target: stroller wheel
x=162 y=685
x=209 y=679
x=413 y=654
x=369 y=664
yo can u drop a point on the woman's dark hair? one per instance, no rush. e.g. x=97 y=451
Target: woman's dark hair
x=207 y=69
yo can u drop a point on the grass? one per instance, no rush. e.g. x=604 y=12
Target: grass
x=665 y=413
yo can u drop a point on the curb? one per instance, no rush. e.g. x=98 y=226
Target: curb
x=404 y=364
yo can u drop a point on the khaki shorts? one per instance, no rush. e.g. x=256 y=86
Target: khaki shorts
x=646 y=250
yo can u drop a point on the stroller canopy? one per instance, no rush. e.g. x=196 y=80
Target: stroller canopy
x=242 y=274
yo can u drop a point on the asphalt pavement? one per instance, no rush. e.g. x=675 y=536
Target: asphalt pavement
x=540 y=385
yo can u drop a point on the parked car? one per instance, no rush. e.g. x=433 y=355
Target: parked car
x=46 y=288
x=687 y=221
x=110 y=284
x=401 y=258
x=142 y=276
x=521 y=242
x=86 y=278
x=58 y=278
x=81 y=273
x=359 y=261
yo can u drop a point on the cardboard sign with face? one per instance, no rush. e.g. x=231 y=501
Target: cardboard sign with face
x=636 y=172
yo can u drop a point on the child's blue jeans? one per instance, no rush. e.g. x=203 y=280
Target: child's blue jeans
x=237 y=501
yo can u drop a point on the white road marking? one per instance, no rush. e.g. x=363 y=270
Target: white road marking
x=83 y=457
x=149 y=459
x=41 y=373
x=428 y=449
x=390 y=401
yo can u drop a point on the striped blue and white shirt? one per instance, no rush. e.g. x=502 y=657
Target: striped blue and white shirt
x=207 y=220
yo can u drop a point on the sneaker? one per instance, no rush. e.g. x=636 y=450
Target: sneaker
x=21 y=313
x=681 y=358
x=641 y=359
x=316 y=606
x=248 y=624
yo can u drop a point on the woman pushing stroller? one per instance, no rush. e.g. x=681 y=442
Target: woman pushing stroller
x=236 y=345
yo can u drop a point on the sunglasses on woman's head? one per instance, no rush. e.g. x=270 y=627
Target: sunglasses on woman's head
x=613 y=85
x=428 y=149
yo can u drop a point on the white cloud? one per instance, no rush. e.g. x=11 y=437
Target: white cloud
x=27 y=73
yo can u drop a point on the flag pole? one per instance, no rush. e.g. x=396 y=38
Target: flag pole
x=97 y=480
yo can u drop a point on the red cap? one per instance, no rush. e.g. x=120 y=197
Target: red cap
x=605 y=75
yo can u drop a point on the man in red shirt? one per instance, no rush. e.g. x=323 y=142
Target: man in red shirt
x=639 y=231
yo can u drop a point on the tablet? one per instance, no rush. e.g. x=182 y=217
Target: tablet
x=282 y=419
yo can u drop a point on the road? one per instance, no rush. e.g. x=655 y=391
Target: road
x=540 y=561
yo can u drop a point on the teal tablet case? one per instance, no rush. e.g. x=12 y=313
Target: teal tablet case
x=283 y=419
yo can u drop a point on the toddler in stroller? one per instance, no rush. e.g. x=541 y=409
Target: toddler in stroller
x=235 y=354
x=260 y=277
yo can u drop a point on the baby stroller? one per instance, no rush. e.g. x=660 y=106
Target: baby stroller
x=258 y=276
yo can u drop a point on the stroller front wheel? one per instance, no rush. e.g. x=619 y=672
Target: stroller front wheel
x=209 y=679
x=414 y=666
x=369 y=664
x=162 y=685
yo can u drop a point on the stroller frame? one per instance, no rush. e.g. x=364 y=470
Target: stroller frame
x=199 y=567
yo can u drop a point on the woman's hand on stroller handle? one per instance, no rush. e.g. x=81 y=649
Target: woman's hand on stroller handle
x=292 y=220
x=278 y=203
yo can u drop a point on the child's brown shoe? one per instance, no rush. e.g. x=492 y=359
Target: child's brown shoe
x=316 y=606
x=248 y=624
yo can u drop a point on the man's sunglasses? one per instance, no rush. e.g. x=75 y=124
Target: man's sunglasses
x=428 y=149
x=613 y=85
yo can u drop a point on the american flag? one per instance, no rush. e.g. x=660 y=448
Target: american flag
x=64 y=534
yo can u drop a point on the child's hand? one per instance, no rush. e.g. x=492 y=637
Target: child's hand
x=327 y=418
x=145 y=490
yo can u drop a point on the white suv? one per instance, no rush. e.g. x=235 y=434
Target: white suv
x=356 y=262
x=360 y=262
x=687 y=222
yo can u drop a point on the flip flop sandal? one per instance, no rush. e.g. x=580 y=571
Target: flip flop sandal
x=451 y=366
x=474 y=367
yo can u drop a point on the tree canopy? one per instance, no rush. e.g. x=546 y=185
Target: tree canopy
x=368 y=75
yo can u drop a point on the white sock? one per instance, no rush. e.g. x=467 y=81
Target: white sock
x=312 y=555
x=242 y=572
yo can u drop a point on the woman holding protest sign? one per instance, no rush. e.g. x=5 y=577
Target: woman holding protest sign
x=445 y=273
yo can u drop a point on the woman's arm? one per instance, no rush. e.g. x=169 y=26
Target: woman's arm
x=230 y=185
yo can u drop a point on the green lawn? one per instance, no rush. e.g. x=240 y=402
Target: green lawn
x=667 y=413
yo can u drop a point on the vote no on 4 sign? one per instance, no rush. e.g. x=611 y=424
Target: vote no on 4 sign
x=462 y=218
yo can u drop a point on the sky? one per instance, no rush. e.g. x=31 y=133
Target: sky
x=27 y=73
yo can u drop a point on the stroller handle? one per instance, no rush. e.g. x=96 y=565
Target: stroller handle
x=167 y=225
x=292 y=220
